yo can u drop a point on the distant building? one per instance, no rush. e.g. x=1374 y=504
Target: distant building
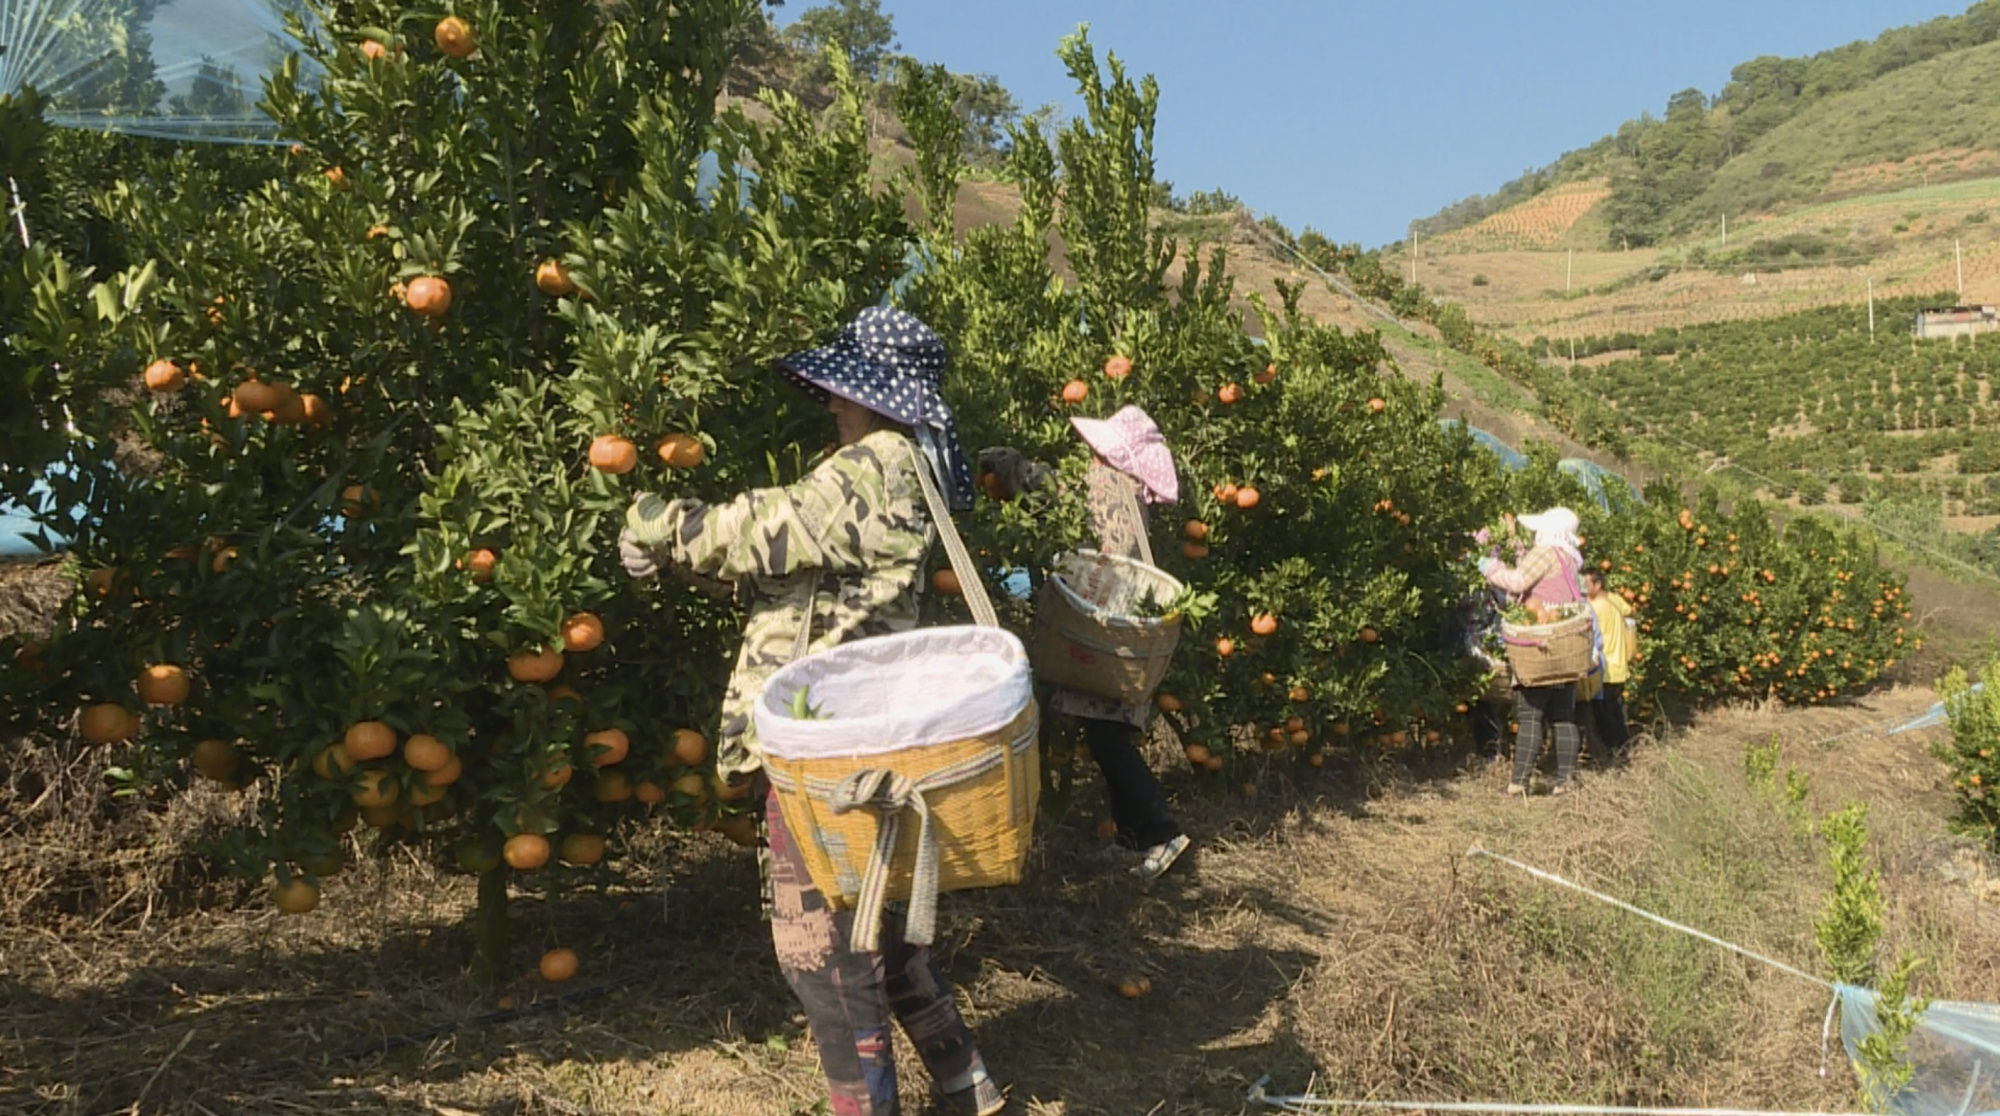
x=1957 y=321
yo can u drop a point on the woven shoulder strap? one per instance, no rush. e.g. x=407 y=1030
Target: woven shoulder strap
x=954 y=548
x=1139 y=525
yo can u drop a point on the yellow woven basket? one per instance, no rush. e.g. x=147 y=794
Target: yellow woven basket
x=980 y=795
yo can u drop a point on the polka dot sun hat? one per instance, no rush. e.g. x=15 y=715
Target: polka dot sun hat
x=891 y=363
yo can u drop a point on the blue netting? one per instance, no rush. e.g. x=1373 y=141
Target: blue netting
x=169 y=69
x=1599 y=480
x=1510 y=458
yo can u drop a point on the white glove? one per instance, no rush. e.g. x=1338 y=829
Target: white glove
x=638 y=559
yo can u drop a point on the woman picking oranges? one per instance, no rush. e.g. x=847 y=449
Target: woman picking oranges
x=1546 y=576
x=837 y=555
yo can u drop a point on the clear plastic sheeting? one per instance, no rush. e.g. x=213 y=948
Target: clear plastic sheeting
x=1953 y=1057
x=167 y=69
x=1510 y=458
x=1600 y=481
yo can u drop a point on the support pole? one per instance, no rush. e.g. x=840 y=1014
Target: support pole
x=20 y=211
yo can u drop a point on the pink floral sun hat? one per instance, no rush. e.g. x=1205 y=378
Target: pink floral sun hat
x=1130 y=442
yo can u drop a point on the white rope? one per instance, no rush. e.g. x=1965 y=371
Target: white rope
x=1711 y=939
x=1308 y=1104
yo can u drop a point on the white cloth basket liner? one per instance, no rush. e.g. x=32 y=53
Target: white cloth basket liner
x=887 y=693
x=1107 y=588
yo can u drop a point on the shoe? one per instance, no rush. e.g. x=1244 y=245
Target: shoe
x=1515 y=790
x=983 y=1098
x=1561 y=789
x=1161 y=857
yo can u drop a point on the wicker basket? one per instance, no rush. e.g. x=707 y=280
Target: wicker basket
x=914 y=813
x=1551 y=654
x=1085 y=637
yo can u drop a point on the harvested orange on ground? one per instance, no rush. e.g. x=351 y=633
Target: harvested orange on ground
x=606 y=746
x=558 y=965
x=163 y=684
x=612 y=454
x=531 y=665
x=369 y=740
x=526 y=851
x=583 y=631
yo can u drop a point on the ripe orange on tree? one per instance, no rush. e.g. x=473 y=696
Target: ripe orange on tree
x=257 y=396
x=690 y=747
x=610 y=453
x=216 y=759
x=163 y=376
x=526 y=851
x=945 y=581
x=1194 y=551
x=552 y=279
x=332 y=762
x=296 y=895
x=444 y=776
x=428 y=296
x=454 y=37
x=163 y=684
x=1117 y=368
x=1197 y=754
x=480 y=562
x=1264 y=624
x=1074 y=392
x=582 y=631
x=357 y=500
x=424 y=752
x=1225 y=647
x=107 y=723
x=369 y=740
x=373 y=50
x=534 y=664
x=1247 y=498
x=1167 y=702
x=611 y=786
x=375 y=788
x=649 y=792
x=1229 y=393
x=581 y=849
x=1195 y=529
x=1269 y=373
x=681 y=451
x=557 y=775
x=1378 y=405
x=606 y=746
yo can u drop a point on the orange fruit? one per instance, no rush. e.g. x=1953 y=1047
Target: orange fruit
x=612 y=454
x=1167 y=702
x=454 y=37
x=314 y=411
x=376 y=232
x=611 y=786
x=332 y=762
x=1133 y=987
x=1378 y=405
x=1195 y=529
x=163 y=684
x=681 y=451
x=369 y=740
x=558 y=965
x=1212 y=763
x=296 y=895
x=102 y=583
x=1299 y=695
x=563 y=692
x=108 y=723
x=726 y=791
x=558 y=776
x=526 y=851
x=1194 y=551
x=290 y=409
x=425 y=752
x=1074 y=392
x=1269 y=373
x=1300 y=737
x=164 y=376
x=446 y=775
x=375 y=788
x=1225 y=647
x=945 y=581
x=1264 y=624
x=1229 y=393
x=606 y=746
x=552 y=278
x=530 y=665
x=690 y=747
x=649 y=792
x=481 y=563
x=1247 y=497
x=1118 y=367
x=994 y=487
x=334 y=176
x=583 y=631
x=224 y=558
x=581 y=849
x=1316 y=760
x=689 y=785
x=1197 y=754
x=255 y=396
x=1295 y=724
x=428 y=295
x=1369 y=635
x=216 y=759
x=374 y=51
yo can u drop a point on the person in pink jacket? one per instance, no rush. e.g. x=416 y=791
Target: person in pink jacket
x=1546 y=574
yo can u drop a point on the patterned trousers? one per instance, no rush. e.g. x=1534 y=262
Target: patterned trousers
x=1540 y=708
x=850 y=996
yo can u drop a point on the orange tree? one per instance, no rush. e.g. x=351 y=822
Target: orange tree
x=384 y=415
x=1321 y=502
x=1727 y=604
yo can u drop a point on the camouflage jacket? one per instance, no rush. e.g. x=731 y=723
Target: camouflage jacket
x=850 y=537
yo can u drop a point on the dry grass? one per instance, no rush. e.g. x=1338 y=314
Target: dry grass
x=1328 y=930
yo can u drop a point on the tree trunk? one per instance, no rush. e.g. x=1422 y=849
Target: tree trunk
x=489 y=926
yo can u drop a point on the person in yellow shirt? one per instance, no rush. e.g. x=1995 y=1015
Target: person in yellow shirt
x=1618 y=629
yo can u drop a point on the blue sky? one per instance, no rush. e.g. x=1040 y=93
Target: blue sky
x=1355 y=118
